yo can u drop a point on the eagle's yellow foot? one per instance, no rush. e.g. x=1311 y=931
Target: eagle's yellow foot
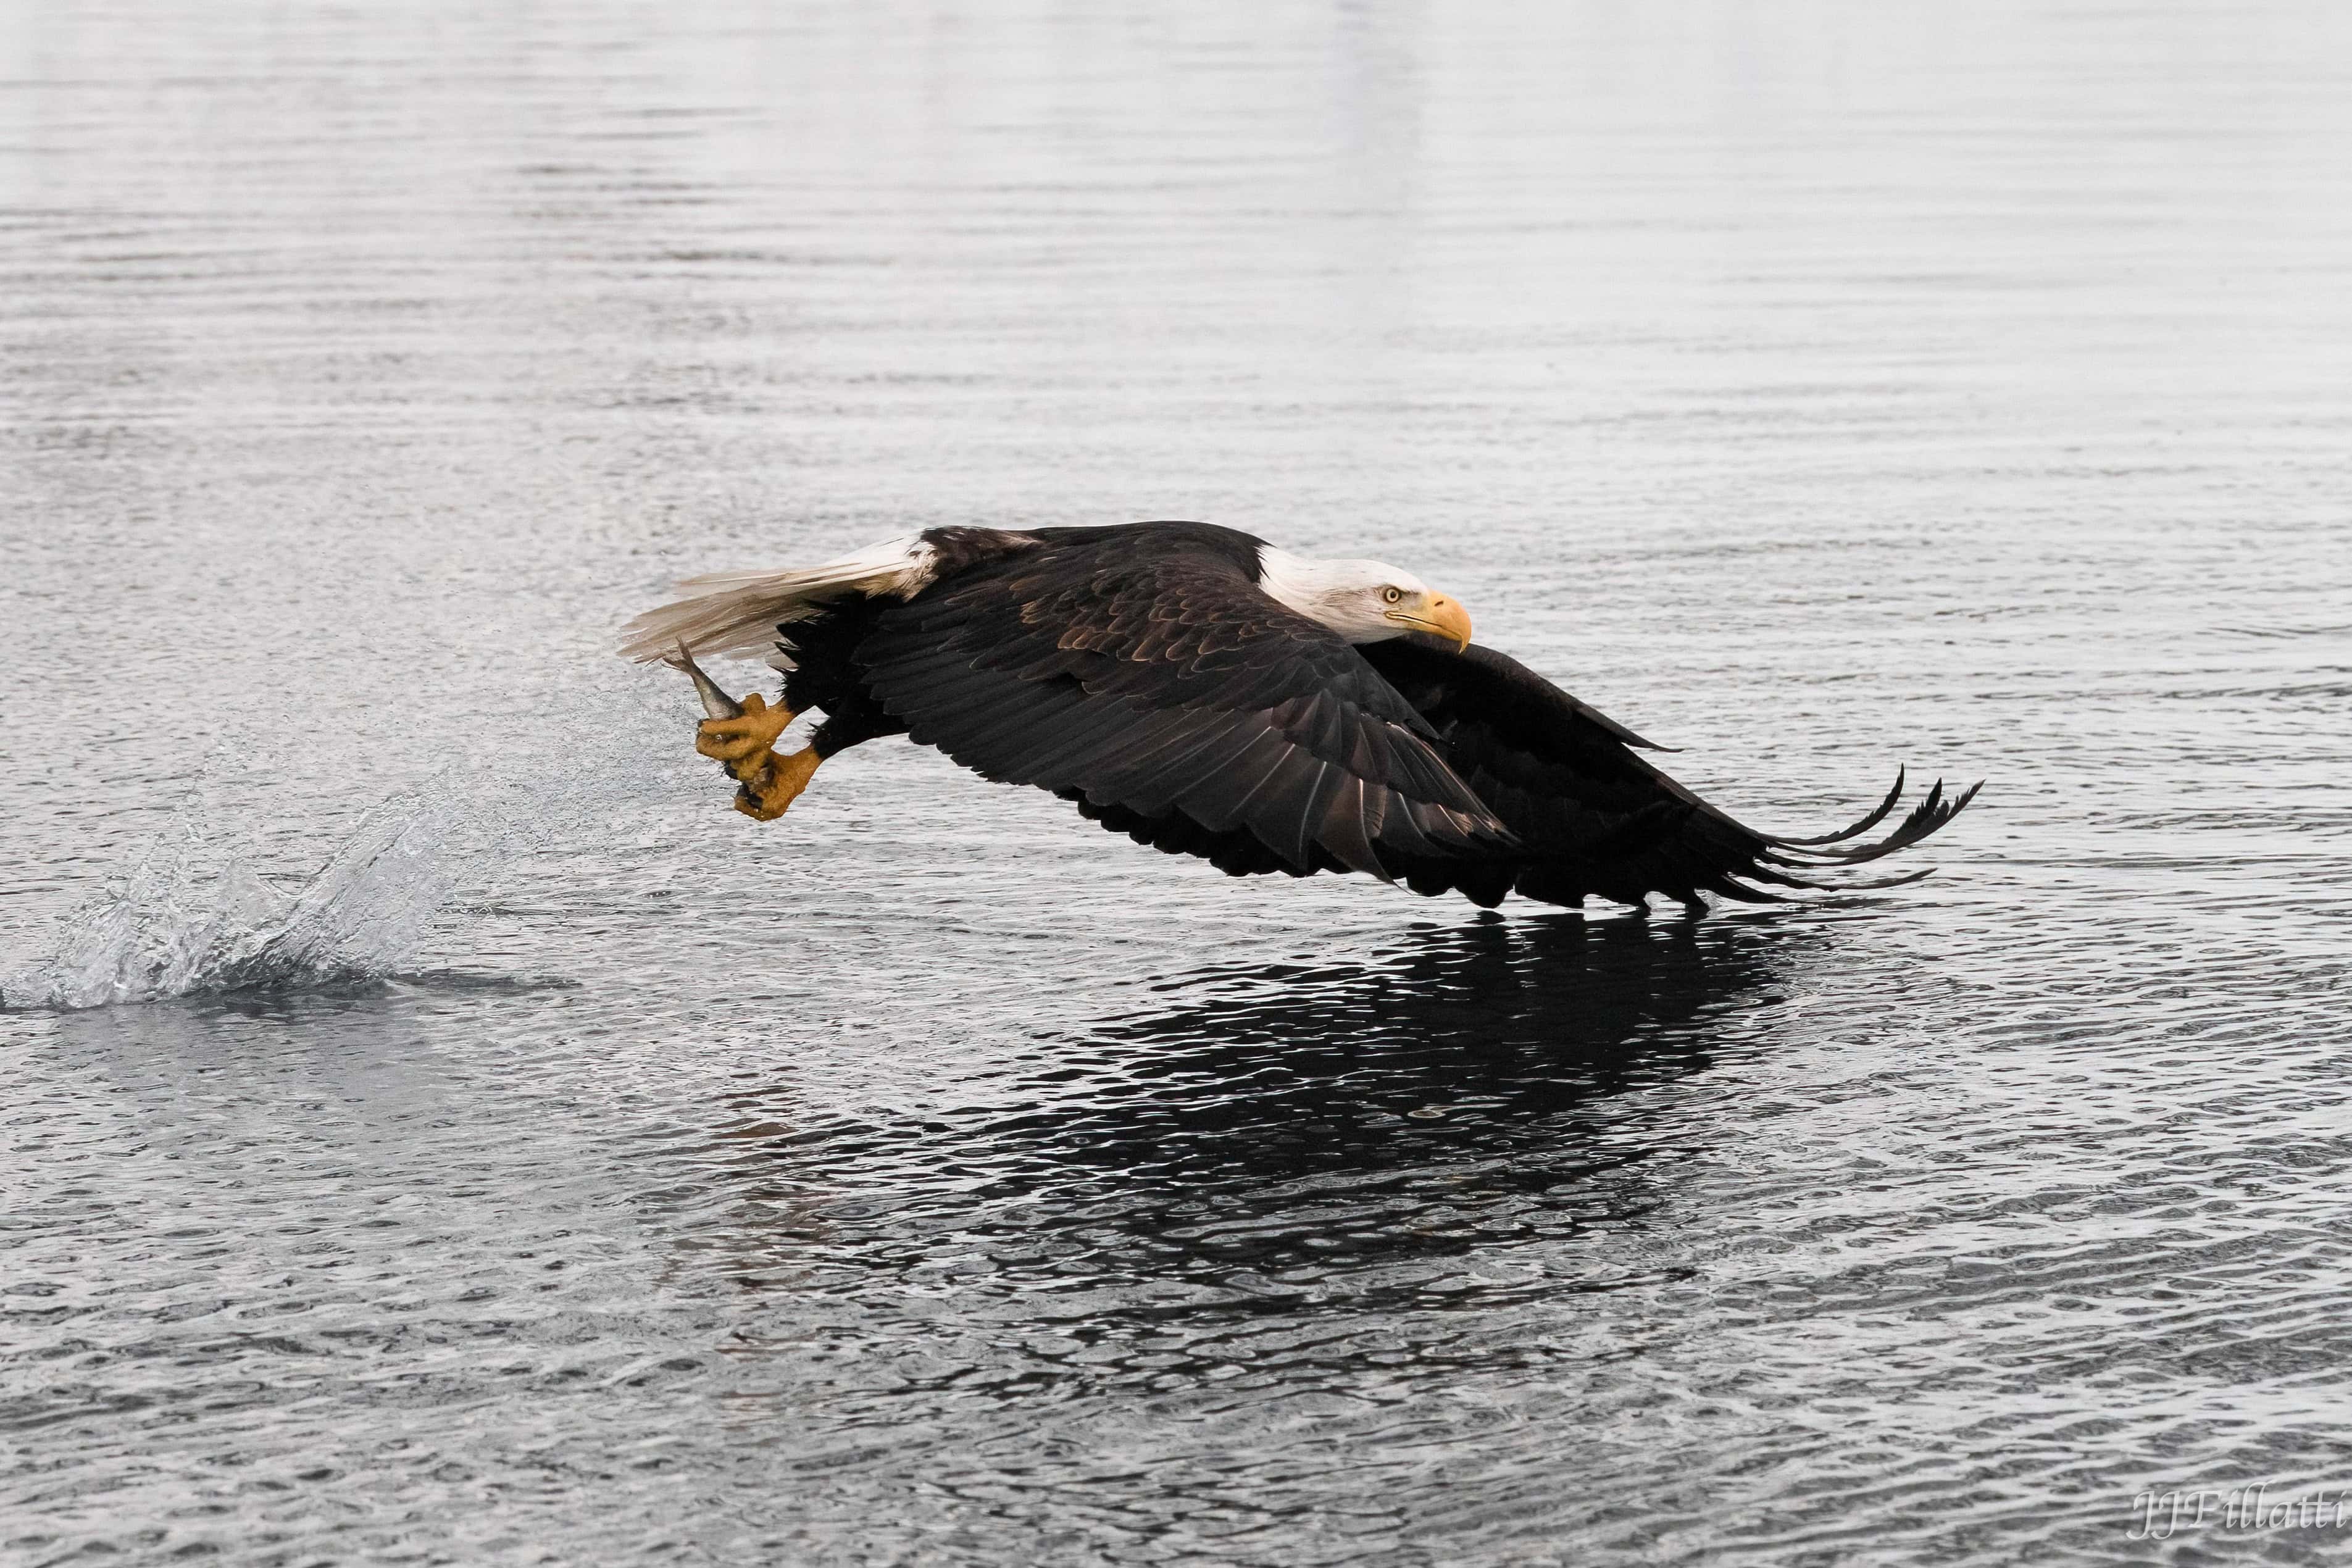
x=745 y=744
x=766 y=794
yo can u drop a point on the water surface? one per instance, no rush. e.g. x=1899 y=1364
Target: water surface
x=585 y=1173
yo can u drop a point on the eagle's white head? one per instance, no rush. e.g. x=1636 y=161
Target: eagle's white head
x=1363 y=601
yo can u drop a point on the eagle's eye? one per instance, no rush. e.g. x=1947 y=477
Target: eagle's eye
x=1392 y=595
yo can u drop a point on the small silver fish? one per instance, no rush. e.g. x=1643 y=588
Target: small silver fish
x=716 y=703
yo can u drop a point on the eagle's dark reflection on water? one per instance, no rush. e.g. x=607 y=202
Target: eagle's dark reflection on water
x=1465 y=1038
x=1461 y=1079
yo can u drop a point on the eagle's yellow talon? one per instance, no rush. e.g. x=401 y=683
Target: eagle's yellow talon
x=766 y=794
x=743 y=739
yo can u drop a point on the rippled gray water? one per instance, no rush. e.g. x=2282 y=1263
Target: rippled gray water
x=585 y=1173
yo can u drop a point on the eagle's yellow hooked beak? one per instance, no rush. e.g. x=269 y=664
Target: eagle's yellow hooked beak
x=1438 y=613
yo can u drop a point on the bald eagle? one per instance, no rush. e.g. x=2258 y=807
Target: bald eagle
x=1208 y=694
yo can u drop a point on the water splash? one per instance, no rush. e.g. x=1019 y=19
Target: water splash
x=191 y=918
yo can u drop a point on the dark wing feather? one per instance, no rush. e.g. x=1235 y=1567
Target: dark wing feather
x=1145 y=677
x=1592 y=816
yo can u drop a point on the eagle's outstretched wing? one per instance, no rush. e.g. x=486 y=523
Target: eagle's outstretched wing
x=1592 y=816
x=1149 y=680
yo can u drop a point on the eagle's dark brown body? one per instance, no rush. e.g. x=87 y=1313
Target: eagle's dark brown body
x=1141 y=672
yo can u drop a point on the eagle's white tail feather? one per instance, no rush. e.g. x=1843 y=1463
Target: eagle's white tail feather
x=738 y=612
